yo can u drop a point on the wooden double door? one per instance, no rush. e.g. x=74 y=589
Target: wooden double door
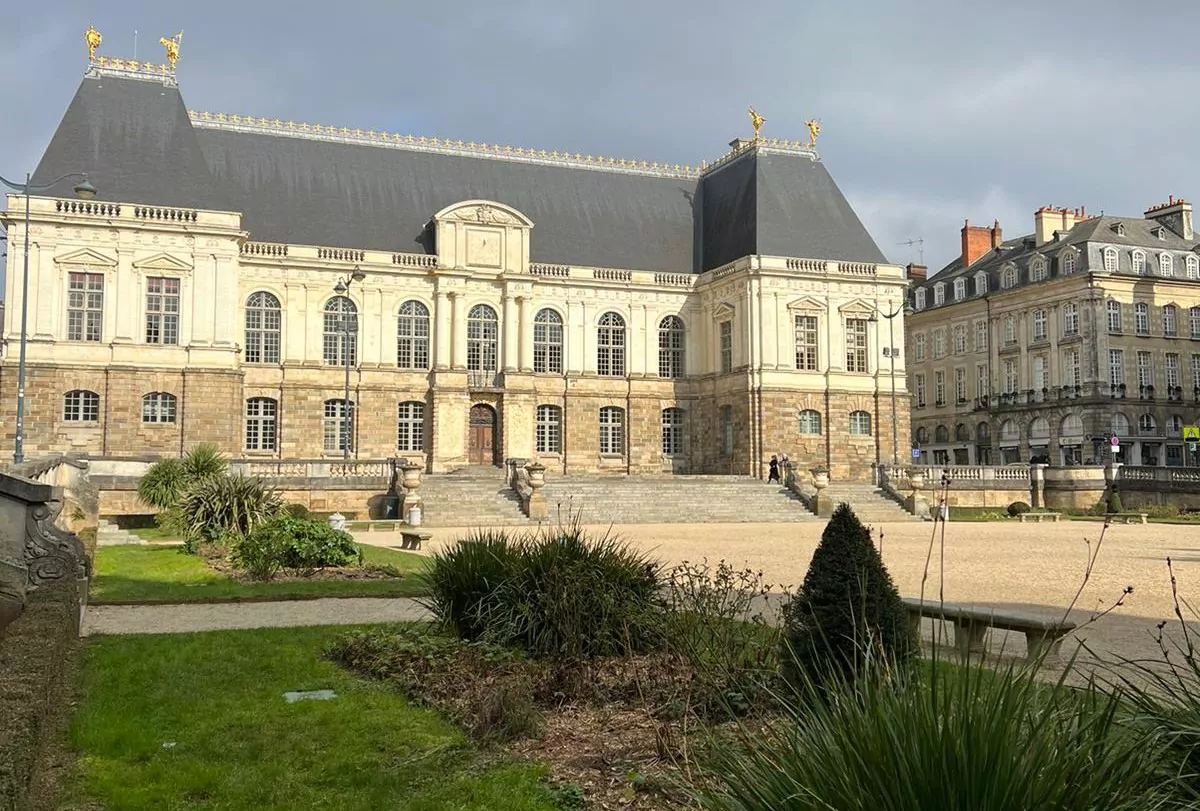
x=482 y=435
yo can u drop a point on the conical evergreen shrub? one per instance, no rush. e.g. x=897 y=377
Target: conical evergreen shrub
x=846 y=612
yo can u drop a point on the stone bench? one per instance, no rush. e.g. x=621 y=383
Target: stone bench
x=412 y=538
x=1038 y=517
x=1129 y=518
x=385 y=525
x=970 y=623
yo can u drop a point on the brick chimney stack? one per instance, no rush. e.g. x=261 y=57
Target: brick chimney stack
x=997 y=234
x=917 y=273
x=1176 y=215
x=977 y=241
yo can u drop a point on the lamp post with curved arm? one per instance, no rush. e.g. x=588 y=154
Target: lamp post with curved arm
x=342 y=288
x=85 y=191
x=891 y=354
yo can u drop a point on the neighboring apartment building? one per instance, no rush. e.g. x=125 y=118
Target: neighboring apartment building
x=602 y=315
x=1045 y=346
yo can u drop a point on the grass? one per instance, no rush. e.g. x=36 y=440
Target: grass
x=155 y=535
x=149 y=574
x=199 y=721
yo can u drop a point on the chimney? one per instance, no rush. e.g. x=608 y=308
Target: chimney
x=1175 y=215
x=1047 y=220
x=976 y=242
x=997 y=234
x=917 y=273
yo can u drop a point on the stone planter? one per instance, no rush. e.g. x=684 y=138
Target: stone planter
x=820 y=479
x=535 y=504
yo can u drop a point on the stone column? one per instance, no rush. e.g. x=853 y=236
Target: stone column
x=524 y=335
x=443 y=330
x=458 y=352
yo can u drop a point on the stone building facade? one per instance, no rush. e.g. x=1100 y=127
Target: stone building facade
x=1047 y=346
x=601 y=315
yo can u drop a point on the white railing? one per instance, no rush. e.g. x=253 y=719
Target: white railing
x=1179 y=476
x=961 y=474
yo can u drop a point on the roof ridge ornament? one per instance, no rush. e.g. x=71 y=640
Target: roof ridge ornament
x=756 y=121
x=93 y=39
x=172 y=46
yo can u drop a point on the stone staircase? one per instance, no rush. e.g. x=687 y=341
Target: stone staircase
x=869 y=503
x=109 y=534
x=471 y=497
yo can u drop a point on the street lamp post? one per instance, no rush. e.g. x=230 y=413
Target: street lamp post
x=342 y=288
x=85 y=191
x=891 y=354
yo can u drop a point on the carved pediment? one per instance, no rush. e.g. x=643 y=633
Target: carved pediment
x=807 y=304
x=86 y=256
x=485 y=212
x=723 y=310
x=163 y=261
x=856 y=307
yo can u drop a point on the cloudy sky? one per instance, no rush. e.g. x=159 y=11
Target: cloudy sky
x=932 y=111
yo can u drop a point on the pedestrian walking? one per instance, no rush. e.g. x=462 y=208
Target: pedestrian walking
x=773 y=476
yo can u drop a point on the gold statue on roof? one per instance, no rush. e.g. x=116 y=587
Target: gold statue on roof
x=814 y=131
x=93 y=39
x=756 y=121
x=172 y=46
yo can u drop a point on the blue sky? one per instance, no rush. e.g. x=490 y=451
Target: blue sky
x=932 y=111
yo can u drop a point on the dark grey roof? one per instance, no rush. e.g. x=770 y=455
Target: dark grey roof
x=135 y=139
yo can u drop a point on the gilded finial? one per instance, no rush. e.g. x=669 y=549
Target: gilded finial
x=814 y=131
x=172 y=46
x=756 y=121
x=93 y=39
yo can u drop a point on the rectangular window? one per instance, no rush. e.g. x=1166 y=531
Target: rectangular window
x=261 y=416
x=726 y=340
x=549 y=429
x=1039 y=325
x=727 y=430
x=960 y=339
x=981 y=336
x=1039 y=373
x=960 y=385
x=1168 y=315
x=612 y=431
x=939 y=388
x=1114 y=316
x=1071 y=368
x=336 y=428
x=920 y=392
x=1141 y=319
x=1070 y=320
x=1010 y=331
x=1194 y=322
x=939 y=343
x=410 y=427
x=960 y=289
x=1171 y=368
x=982 y=384
x=939 y=294
x=85 y=306
x=672 y=431
x=919 y=346
x=856 y=345
x=1196 y=371
x=1011 y=381
x=1116 y=367
x=162 y=310
x=806 y=343
x=1145 y=368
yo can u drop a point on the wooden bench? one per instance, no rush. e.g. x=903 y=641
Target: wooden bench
x=970 y=623
x=1037 y=517
x=1129 y=518
x=412 y=538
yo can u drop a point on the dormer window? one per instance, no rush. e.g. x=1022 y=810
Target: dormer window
x=1110 y=260
x=1193 y=267
x=1159 y=232
x=939 y=294
x=1139 y=263
x=1118 y=228
x=1067 y=263
x=1037 y=270
x=1009 y=277
x=919 y=299
x=980 y=283
x=1166 y=265
x=960 y=289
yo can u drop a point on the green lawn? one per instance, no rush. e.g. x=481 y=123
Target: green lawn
x=157 y=574
x=198 y=721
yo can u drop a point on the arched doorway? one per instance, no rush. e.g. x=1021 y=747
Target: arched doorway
x=481 y=435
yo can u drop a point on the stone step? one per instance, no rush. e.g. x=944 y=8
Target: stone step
x=109 y=534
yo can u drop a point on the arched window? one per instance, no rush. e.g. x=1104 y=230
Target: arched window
x=1166 y=265
x=1010 y=431
x=612 y=430
x=1174 y=425
x=1120 y=424
x=672 y=431
x=1071 y=426
x=549 y=429
x=341 y=332
x=1039 y=428
x=941 y=434
x=981 y=285
x=670 y=347
x=919 y=299
x=1139 y=262
x=81 y=406
x=483 y=330
x=922 y=435
x=983 y=433
x=610 y=346
x=1068 y=263
x=263 y=320
x=1110 y=260
x=960 y=289
x=1170 y=318
x=158 y=407
x=860 y=423
x=1193 y=267
x=962 y=433
x=1037 y=269
x=810 y=422
x=412 y=336
x=410 y=426
x=1009 y=277
x=336 y=427
x=548 y=342
x=262 y=427
x=939 y=294
x=1146 y=423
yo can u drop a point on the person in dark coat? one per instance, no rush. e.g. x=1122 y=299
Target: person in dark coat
x=773 y=476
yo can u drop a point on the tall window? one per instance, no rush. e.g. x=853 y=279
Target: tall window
x=1009 y=277
x=939 y=388
x=1171 y=369
x=610 y=346
x=960 y=289
x=548 y=430
x=670 y=347
x=1039 y=372
x=162 y=310
x=1139 y=263
x=412 y=336
x=725 y=334
x=1010 y=330
x=1114 y=316
x=548 y=342
x=919 y=299
x=1070 y=319
x=483 y=330
x=981 y=335
x=939 y=342
x=158 y=407
x=81 y=406
x=1011 y=380
x=727 y=430
x=939 y=294
x=982 y=384
x=920 y=390
x=1166 y=264
x=856 y=345
x=860 y=423
x=1037 y=270
x=960 y=385
x=1071 y=367
x=612 y=430
x=1116 y=367
x=1194 y=322
x=919 y=346
x=810 y=422
x=1193 y=267
x=1169 y=315
x=1039 y=325
x=1145 y=369
x=1068 y=263
x=263 y=320
x=1110 y=260
x=336 y=427
x=806 y=343
x=262 y=427
x=1196 y=370
x=1141 y=318
x=672 y=431
x=85 y=306
x=980 y=284
x=341 y=332
x=960 y=339
x=410 y=426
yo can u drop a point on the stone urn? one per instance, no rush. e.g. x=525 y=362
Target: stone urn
x=537 y=475
x=916 y=478
x=820 y=478
x=535 y=503
x=411 y=482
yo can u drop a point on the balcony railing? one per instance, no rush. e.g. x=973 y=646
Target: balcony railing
x=484 y=380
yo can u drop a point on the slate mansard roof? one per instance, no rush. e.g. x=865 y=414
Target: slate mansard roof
x=138 y=143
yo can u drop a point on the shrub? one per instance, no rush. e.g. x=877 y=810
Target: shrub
x=847 y=611
x=298 y=511
x=259 y=555
x=227 y=506
x=296 y=544
x=1018 y=508
x=463 y=576
x=163 y=484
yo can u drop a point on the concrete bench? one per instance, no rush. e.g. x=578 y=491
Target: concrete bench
x=389 y=525
x=1038 y=518
x=970 y=623
x=412 y=538
x=1129 y=518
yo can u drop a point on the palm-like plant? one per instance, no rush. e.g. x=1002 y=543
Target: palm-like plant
x=227 y=506
x=166 y=482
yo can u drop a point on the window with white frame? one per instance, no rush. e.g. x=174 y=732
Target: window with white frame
x=1110 y=260
x=1146 y=424
x=1145 y=369
x=809 y=422
x=1193 y=267
x=672 y=431
x=336 y=428
x=1037 y=270
x=1010 y=330
x=1141 y=318
x=412 y=336
x=671 y=341
x=1008 y=277
x=1174 y=425
x=856 y=345
x=1114 y=316
x=960 y=289
x=548 y=342
x=81 y=406
x=1011 y=382
x=85 y=306
x=1139 y=262
x=1070 y=322
x=806 y=343
x=860 y=423
x=919 y=299
x=1195 y=370
x=939 y=294
x=1171 y=369
x=1166 y=265
x=264 y=319
x=1039 y=325
x=960 y=339
x=939 y=388
x=981 y=285
x=341 y=332
x=981 y=335
x=920 y=390
x=1039 y=372
x=610 y=346
x=919 y=346
x=1071 y=375
x=158 y=407
x=1067 y=262
x=1194 y=322
x=612 y=430
x=262 y=424
x=725 y=345
x=410 y=426
x=960 y=385
x=483 y=339
x=727 y=430
x=1169 y=319
x=982 y=384
x=548 y=430
x=162 y=310
x=1116 y=367
x=939 y=342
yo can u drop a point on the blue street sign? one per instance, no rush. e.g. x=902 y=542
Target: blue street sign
x=916 y=453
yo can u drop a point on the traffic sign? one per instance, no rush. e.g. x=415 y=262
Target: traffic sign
x=1116 y=442
x=1191 y=433
x=916 y=453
